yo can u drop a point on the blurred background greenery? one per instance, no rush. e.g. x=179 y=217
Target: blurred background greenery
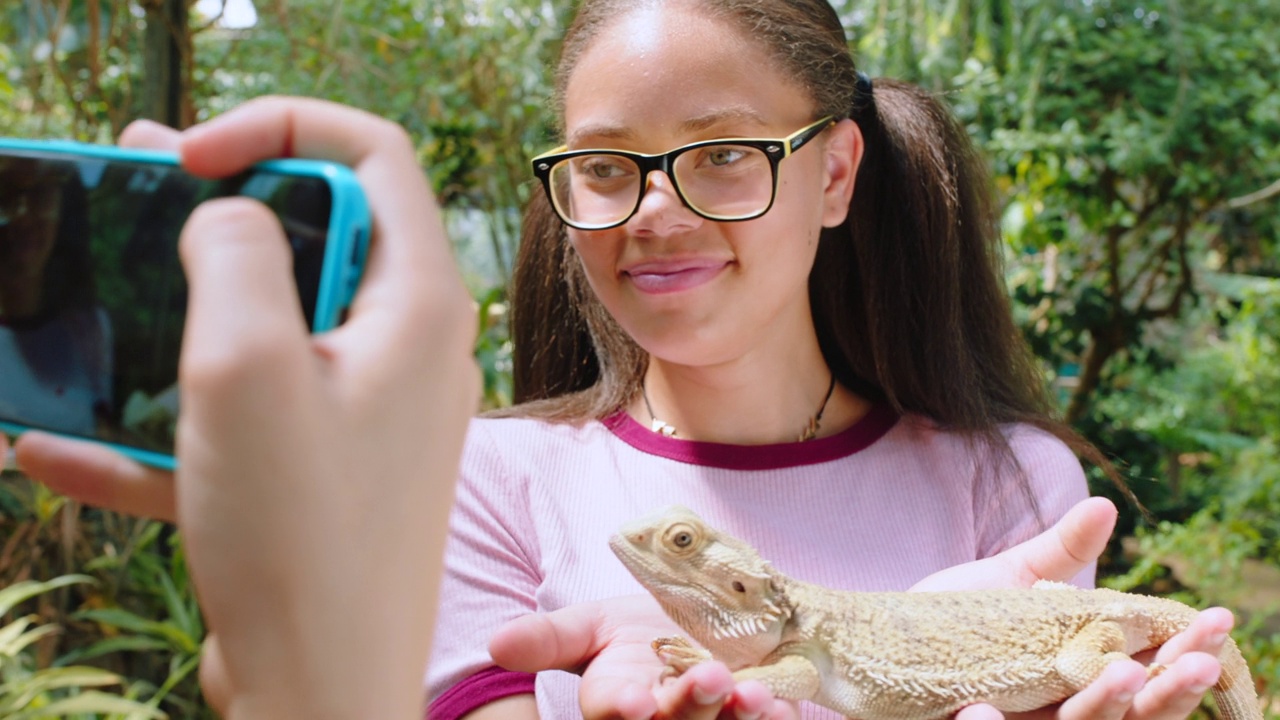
x=1136 y=150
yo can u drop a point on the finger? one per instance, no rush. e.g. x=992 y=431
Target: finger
x=1109 y=697
x=699 y=694
x=1066 y=549
x=96 y=475
x=563 y=639
x=1207 y=634
x=782 y=710
x=150 y=135
x=214 y=682
x=380 y=152
x=1176 y=692
x=8 y=461
x=410 y=277
x=751 y=700
x=979 y=712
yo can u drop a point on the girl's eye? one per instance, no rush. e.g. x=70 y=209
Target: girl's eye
x=603 y=168
x=722 y=156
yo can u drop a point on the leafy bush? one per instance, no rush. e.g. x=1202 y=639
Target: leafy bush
x=30 y=693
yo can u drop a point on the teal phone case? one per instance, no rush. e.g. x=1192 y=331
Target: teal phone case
x=346 y=245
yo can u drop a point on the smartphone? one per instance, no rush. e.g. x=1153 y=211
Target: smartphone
x=92 y=296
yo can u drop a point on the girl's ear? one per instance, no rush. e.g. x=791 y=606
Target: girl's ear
x=843 y=155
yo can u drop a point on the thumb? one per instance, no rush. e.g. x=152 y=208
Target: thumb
x=243 y=301
x=1060 y=553
x=565 y=639
x=1066 y=549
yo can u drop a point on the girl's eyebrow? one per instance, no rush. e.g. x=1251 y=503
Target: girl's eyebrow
x=733 y=113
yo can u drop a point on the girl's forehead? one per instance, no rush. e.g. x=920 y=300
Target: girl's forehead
x=676 y=69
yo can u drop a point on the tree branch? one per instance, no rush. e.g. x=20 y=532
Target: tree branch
x=1257 y=196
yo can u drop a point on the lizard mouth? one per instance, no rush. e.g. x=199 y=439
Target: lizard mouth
x=624 y=548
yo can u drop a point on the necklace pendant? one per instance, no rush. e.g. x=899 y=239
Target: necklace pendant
x=810 y=432
x=662 y=428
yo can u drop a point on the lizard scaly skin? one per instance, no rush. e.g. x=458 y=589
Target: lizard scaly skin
x=895 y=656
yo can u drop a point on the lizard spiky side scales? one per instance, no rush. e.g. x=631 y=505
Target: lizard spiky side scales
x=896 y=656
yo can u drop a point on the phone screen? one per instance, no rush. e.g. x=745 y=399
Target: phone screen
x=92 y=295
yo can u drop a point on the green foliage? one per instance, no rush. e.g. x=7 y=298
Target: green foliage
x=1214 y=410
x=29 y=693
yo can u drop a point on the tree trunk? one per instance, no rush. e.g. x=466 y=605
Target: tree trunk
x=1103 y=344
x=166 y=56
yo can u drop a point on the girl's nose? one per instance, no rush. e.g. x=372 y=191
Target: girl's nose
x=661 y=210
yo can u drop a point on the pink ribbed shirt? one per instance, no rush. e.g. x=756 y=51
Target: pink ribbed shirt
x=878 y=506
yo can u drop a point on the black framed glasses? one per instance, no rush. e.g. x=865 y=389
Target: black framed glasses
x=725 y=180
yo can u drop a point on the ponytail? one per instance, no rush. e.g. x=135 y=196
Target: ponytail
x=908 y=293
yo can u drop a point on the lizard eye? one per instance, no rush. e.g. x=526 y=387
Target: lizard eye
x=681 y=537
x=739 y=587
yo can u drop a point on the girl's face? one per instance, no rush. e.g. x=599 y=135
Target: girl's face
x=28 y=231
x=689 y=290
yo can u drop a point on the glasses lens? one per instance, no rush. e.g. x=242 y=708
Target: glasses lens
x=595 y=190
x=726 y=182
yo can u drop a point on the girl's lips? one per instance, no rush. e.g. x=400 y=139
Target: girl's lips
x=660 y=278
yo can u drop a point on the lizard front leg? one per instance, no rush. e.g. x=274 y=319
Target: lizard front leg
x=788 y=677
x=678 y=654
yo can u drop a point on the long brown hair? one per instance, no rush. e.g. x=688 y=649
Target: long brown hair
x=908 y=296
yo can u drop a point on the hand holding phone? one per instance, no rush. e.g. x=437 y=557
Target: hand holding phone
x=316 y=471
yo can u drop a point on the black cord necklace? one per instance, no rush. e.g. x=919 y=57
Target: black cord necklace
x=810 y=430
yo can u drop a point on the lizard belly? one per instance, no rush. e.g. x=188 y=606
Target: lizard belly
x=871 y=695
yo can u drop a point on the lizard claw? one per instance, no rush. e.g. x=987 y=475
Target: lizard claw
x=678 y=654
x=1155 y=669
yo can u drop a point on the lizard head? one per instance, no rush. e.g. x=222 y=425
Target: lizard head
x=716 y=587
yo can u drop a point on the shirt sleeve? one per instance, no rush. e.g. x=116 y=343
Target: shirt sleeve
x=1016 y=509
x=491 y=577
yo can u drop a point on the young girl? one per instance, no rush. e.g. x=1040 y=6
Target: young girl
x=794 y=326
x=760 y=286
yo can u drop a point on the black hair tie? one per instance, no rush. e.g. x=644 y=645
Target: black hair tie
x=863 y=85
x=863 y=101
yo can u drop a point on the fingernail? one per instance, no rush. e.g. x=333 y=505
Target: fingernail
x=1124 y=698
x=1199 y=689
x=702 y=697
x=1219 y=639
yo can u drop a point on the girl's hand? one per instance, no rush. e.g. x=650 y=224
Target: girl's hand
x=608 y=642
x=1121 y=692
x=315 y=472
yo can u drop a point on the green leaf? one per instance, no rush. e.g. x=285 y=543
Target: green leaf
x=125 y=620
x=123 y=643
x=16 y=645
x=90 y=702
x=18 y=592
x=19 y=694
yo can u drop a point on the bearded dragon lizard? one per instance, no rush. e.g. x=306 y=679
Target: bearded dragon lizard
x=895 y=655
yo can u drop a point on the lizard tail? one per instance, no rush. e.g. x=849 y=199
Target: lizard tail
x=1235 y=693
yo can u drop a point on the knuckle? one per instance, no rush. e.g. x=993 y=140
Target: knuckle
x=390 y=135
x=247 y=362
